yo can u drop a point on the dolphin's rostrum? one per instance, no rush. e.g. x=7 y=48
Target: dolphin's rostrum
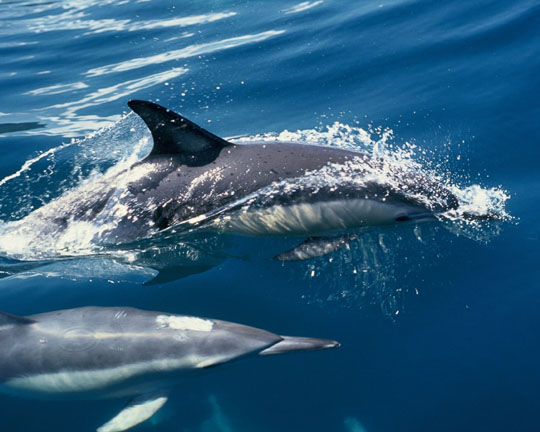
x=96 y=352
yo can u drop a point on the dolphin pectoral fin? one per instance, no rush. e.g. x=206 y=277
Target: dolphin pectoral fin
x=178 y=272
x=174 y=134
x=137 y=411
x=315 y=247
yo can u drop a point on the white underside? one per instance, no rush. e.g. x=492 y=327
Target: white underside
x=300 y=219
x=69 y=382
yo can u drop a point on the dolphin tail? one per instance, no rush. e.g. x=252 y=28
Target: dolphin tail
x=290 y=344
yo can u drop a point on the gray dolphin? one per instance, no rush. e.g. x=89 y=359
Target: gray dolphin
x=95 y=352
x=195 y=178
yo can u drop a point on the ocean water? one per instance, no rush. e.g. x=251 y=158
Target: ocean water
x=438 y=321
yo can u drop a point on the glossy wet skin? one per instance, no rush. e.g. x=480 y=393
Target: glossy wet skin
x=172 y=192
x=239 y=170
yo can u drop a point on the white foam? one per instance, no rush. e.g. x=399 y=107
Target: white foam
x=36 y=237
x=476 y=201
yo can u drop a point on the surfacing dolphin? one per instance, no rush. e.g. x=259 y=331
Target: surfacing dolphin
x=199 y=175
x=195 y=178
x=97 y=352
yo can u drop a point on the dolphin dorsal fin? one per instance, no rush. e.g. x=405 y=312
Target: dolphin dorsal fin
x=176 y=135
x=7 y=319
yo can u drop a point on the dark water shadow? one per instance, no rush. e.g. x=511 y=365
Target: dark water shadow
x=19 y=127
x=158 y=260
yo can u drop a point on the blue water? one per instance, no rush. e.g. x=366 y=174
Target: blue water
x=438 y=322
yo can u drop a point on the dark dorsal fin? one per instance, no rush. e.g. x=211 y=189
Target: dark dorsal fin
x=11 y=320
x=176 y=135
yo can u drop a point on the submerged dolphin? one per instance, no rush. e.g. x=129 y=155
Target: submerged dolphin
x=192 y=178
x=95 y=352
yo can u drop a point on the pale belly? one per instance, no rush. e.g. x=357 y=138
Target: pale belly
x=311 y=218
x=124 y=380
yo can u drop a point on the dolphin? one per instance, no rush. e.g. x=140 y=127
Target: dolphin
x=193 y=178
x=99 y=352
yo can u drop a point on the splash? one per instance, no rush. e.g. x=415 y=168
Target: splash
x=479 y=203
x=35 y=235
x=54 y=172
x=57 y=181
